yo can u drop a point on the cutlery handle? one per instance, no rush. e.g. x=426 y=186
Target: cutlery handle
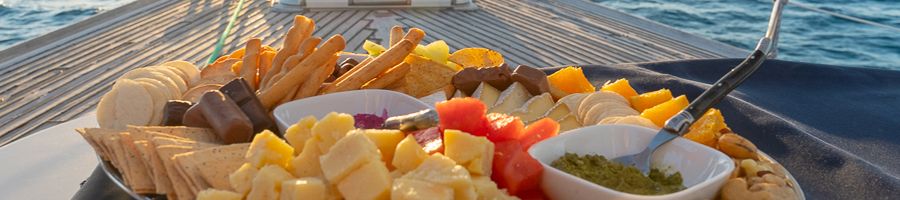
x=714 y=94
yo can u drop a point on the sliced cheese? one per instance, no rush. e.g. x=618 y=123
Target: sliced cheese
x=534 y=108
x=513 y=97
x=558 y=111
x=487 y=94
x=568 y=123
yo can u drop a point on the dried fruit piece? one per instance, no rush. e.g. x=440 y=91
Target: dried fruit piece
x=706 y=129
x=571 y=80
x=621 y=86
x=662 y=112
x=476 y=57
x=649 y=99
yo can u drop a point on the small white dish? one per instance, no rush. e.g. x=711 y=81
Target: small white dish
x=703 y=169
x=350 y=102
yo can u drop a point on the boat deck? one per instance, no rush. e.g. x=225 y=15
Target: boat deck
x=59 y=76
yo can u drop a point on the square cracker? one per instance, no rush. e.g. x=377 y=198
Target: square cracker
x=164 y=183
x=141 y=181
x=193 y=133
x=214 y=165
x=179 y=184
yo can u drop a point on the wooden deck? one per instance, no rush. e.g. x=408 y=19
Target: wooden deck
x=59 y=76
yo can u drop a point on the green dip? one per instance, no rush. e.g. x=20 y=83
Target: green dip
x=596 y=169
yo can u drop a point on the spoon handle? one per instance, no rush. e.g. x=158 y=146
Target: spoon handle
x=714 y=94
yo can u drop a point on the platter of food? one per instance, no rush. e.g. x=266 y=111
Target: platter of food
x=309 y=120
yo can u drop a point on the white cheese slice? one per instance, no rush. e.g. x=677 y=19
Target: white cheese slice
x=510 y=99
x=568 y=123
x=534 y=108
x=487 y=94
x=558 y=111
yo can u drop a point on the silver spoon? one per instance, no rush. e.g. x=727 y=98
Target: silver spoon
x=678 y=124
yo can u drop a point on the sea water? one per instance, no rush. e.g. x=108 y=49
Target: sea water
x=806 y=36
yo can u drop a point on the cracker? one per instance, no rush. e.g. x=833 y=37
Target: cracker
x=212 y=166
x=133 y=104
x=193 y=94
x=191 y=133
x=179 y=185
x=425 y=76
x=141 y=182
x=192 y=74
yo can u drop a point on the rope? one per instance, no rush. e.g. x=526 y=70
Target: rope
x=843 y=16
x=221 y=42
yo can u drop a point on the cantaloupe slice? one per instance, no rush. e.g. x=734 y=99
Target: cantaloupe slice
x=662 y=112
x=571 y=80
x=621 y=86
x=649 y=99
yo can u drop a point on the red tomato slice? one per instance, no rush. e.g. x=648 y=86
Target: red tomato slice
x=504 y=127
x=539 y=131
x=514 y=169
x=464 y=114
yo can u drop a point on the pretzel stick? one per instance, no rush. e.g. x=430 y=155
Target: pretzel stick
x=250 y=61
x=314 y=82
x=303 y=50
x=396 y=35
x=332 y=46
x=389 y=58
x=414 y=35
x=292 y=41
x=266 y=58
x=390 y=76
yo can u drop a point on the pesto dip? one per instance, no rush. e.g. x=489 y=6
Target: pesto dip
x=596 y=169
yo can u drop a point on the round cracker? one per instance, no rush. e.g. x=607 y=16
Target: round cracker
x=609 y=111
x=152 y=74
x=134 y=105
x=190 y=70
x=159 y=97
x=219 y=79
x=182 y=85
x=194 y=94
x=597 y=97
x=572 y=101
x=631 y=120
x=590 y=116
x=181 y=75
x=170 y=93
x=106 y=112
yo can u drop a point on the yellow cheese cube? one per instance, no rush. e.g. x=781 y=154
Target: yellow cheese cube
x=267 y=148
x=332 y=128
x=307 y=163
x=267 y=183
x=297 y=134
x=487 y=189
x=440 y=169
x=386 y=140
x=474 y=152
x=347 y=154
x=214 y=194
x=369 y=182
x=304 y=188
x=408 y=155
x=241 y=178
x=411 y=189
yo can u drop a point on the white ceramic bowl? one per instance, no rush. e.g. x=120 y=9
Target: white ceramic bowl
x=350 y=102
x=703 y=169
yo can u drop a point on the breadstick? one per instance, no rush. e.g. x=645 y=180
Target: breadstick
x=389 y=58
x=266 y=59
x=251 y=57
x=390 y=76
x=304 y=50
x=414 y=35
x=332 y=46
x=314 y=82
x=291 y=43
x=396 y=35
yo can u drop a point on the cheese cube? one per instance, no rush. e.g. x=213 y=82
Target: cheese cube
x=267 y=183
x=440 y=169
x=408 y=155
x=411 y=189
x=369 y=182
x=297 y=134
x=241 y=178
x=307 y=163
x=474 y=152
x=487 y=189
x=304 y=188
x=267 y=148
x=386 y=140
x=214 y=194
x=332 y=128
x=347 y=154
